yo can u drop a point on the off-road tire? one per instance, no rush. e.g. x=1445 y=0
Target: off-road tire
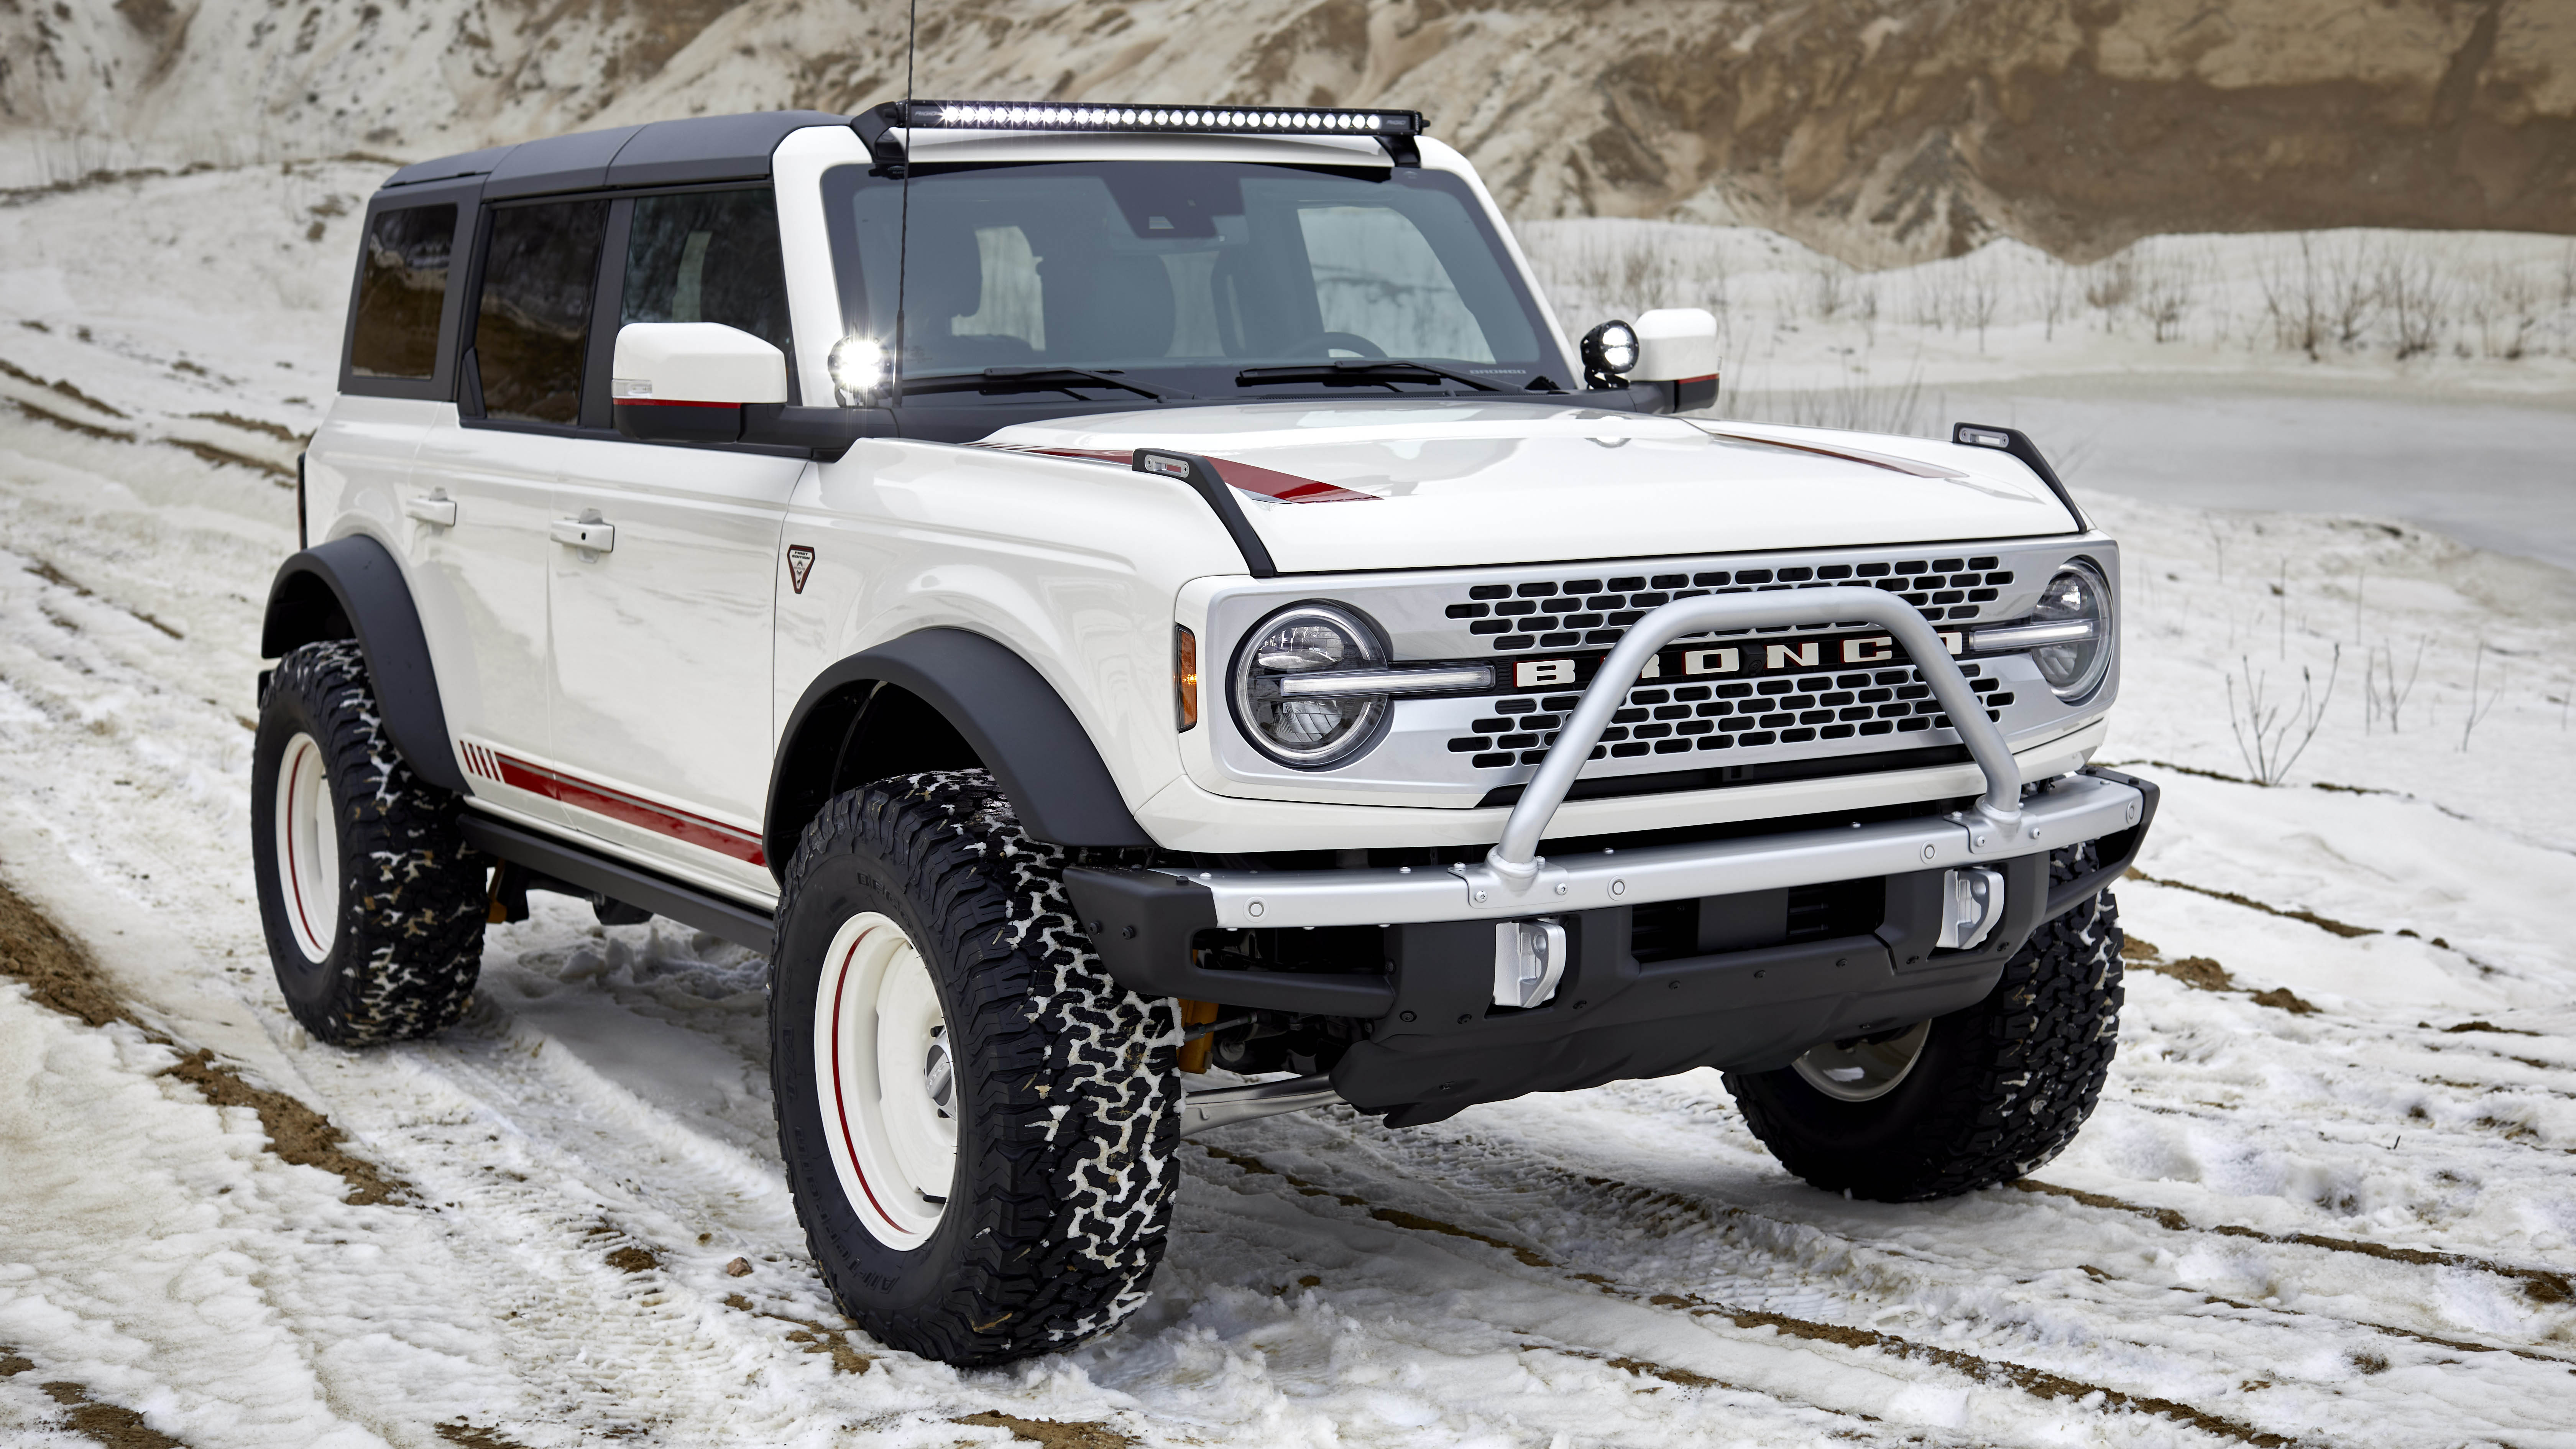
x=2000 y=1087
x=1068 y=1086
x=411 y=907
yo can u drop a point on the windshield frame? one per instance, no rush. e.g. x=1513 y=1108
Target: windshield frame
x=1193 y=380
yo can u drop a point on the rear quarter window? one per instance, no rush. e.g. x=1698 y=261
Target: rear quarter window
x=402 y=289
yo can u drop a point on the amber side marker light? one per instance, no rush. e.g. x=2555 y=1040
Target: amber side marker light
x=1185 y=675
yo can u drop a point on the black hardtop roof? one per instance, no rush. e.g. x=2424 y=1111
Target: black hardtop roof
x=657 y=153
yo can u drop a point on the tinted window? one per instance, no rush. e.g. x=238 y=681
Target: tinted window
x=402 y=284
x=707 y=257
x=533 y=324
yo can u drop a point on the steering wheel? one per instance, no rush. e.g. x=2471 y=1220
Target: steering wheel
x=1351 y=341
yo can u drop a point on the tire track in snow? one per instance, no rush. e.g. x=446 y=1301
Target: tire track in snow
x=2276 y=1336
x=2541 y=1285
x=2038 y=1383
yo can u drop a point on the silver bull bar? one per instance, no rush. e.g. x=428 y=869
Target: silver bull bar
x=1513 y=880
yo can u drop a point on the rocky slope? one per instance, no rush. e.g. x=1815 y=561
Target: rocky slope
x=1881 y=130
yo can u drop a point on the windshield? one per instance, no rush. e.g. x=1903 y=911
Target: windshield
x=1196 y=279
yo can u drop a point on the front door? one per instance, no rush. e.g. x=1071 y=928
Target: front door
x=661 y=623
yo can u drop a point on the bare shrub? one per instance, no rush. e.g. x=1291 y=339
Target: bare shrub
x=1980 y=293
x=1828 y=288
x=2505 y=304
x=2478 y=712
x=2383 y=696
x=2109 y=285
x=2164 y=298
x=2295 y=303
x=2269 y=744
x=2352 y=294
x=2418 y=299
x=2053 y=299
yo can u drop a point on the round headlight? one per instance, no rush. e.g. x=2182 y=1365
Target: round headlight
x=2077 y=593
x=1307 y=730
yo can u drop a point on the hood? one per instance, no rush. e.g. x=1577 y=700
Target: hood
x=1344 y=487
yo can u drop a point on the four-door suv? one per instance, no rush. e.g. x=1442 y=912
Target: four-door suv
x=1146 y=618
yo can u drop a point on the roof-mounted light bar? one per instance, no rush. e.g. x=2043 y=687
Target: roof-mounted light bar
x=1195 y=119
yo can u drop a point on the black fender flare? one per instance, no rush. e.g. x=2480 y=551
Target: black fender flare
x=1006 y=712
x=351 y=587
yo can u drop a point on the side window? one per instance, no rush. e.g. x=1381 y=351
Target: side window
x=402 y=285
x=532 y=327
x=708 y=256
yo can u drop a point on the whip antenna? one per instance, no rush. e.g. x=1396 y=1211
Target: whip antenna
x=903 y=222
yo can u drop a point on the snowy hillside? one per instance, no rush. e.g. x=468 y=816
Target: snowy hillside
x=1883 y=131
x=2325 y=1198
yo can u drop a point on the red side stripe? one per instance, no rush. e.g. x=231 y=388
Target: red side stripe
x=669 y=402
x=680 y=825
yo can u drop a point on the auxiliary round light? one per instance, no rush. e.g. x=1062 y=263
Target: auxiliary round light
x=1308 y=731
x=1610 y=351
x=860 y=367
x=2076 y=593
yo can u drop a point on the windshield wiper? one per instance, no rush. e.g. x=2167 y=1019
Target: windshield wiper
x=1352 y=371
x=1038 y=379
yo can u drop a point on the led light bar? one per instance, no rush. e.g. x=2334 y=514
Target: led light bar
x=1198 y=119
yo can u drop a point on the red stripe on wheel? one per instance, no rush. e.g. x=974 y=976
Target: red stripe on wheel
x=295 y=877
x=840 y=1101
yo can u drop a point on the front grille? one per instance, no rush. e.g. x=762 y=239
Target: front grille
x=1571 y=613
x=1687 y=718
x=1782 y=711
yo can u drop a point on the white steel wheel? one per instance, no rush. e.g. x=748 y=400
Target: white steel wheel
x=1863 y=1070
x=308 y=849
x=887 y=1080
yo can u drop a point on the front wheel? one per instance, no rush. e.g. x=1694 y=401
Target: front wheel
x=1964 y=1101
x=978 y=1124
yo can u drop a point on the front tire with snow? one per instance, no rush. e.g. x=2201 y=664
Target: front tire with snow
x=373 y=903
x=1968 y=1100
x=979 y=1125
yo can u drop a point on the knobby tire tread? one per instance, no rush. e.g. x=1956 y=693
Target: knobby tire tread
x=1074 y=1078
x=413 y=903
x=2036 y=1052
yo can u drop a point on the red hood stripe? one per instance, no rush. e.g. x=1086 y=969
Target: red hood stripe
x=1286 y=487
x=1263 y=482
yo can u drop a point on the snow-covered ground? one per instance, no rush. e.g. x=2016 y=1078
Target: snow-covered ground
x=2325 y=1198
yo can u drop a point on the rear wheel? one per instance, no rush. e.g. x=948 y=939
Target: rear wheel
x=1963 y=1101
x=979 y=1125
x=373 y=903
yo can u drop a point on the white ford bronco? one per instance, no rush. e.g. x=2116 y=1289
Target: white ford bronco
x=1148 y=621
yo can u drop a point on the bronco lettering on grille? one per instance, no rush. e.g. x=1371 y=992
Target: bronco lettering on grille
x=1700 y=661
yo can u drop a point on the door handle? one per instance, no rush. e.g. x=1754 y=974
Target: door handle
x=436 y=510
x=592 y=536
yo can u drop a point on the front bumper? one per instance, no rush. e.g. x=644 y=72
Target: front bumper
x=1438 y=1044
x=1144 y=922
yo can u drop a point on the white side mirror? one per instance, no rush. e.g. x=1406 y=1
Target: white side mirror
x=1675 y=344
x=660 y=363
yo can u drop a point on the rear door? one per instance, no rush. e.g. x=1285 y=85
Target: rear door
x=491 y=472
x=660 y=662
